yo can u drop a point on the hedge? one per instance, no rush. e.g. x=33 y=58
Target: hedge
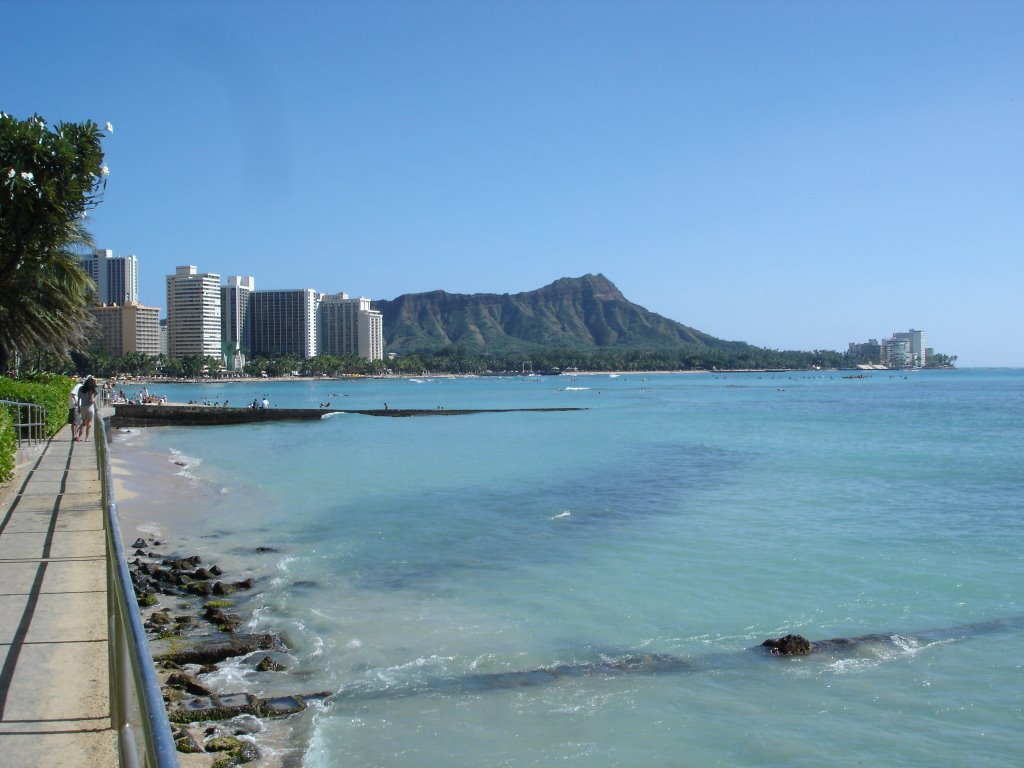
x=48 y=390
x=7 y=446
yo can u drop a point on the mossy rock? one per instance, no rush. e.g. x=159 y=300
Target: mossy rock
x=228 y=744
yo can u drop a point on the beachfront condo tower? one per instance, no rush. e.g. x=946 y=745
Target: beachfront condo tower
x=234 y=311
x=193 y=313
x=349 y=327
x=116 y=277
x=283 y=322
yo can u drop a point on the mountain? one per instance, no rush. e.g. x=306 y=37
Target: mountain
x=584 y=313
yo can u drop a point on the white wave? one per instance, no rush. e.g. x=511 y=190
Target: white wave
x=332 y=414
x=318 y=646
x=150 y=530
x=566 y=513
x=187 y=463
x=284 y=562
x=576 y=389
x=355 y=642
x=614 y=375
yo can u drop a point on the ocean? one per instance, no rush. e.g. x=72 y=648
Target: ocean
x=588 y=587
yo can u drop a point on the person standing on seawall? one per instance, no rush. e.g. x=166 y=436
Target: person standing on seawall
x=87 y=405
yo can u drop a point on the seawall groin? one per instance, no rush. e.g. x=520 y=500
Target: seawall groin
x=174 y=415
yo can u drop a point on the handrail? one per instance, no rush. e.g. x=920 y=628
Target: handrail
x=30 y=428
x=137 y=709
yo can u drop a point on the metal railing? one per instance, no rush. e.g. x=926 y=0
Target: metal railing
x=137 y=707
x=29 y=422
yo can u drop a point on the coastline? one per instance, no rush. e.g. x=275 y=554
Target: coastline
x=161 y=502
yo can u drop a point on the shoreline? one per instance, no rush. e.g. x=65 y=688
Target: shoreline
x=161 y=505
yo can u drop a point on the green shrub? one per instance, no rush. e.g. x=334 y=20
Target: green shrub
x=7 y=446
x=47 y=390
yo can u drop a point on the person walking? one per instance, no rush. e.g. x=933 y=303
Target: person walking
x=87 y=406
x=74 y=414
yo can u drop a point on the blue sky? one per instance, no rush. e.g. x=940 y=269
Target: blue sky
x=797 y=175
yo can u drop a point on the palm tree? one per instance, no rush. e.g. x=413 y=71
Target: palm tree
x=43 y=307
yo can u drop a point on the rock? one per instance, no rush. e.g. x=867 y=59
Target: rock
x=216 y=571
x=185 y=742
x=200 y=574
x=160 y=618
x=215 y=651
x=266 y=549
x=204 y=708
x=226 y=622
x=228 y=744
x=140 y=553
x=790 y=645
x=269 y=665
x=222 y=589
x=183 y=564
x=244 y=584
x=139 y=543
x=200 y=588
x=187 y=683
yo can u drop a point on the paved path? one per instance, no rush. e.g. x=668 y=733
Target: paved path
x=54 y=682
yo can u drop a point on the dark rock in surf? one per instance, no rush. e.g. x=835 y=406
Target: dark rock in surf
x=269 y=665
x=187 y=683
x=225 y=622
x=790 y=645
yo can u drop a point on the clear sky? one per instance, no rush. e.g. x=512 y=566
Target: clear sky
x=797 y=175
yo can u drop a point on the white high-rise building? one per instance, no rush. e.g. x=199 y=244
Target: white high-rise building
x=917 y=355
x=193 y=313
x=283 y=322
x=116 y=277
x=349 y=327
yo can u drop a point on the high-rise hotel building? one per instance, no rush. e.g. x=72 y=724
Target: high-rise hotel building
x=193 y=313
x=128 y=327
x=235 y=326
x=116 y=277
x=283 y=322
x=349 y=327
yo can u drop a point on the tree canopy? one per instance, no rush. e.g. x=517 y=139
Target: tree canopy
x=50 y=178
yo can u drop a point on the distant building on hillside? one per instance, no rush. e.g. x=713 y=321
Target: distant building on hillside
x=116 y=277
x=283 y=322
x=128 y=328
x=349 y=327
x=193 y=313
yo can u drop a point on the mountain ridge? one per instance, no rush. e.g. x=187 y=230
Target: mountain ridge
x=584 y=313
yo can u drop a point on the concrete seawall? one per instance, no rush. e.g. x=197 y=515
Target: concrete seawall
x=131 y=415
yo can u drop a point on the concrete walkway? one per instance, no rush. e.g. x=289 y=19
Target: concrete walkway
x=55 y=679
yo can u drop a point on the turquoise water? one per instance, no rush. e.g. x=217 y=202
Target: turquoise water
x=690 y=515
